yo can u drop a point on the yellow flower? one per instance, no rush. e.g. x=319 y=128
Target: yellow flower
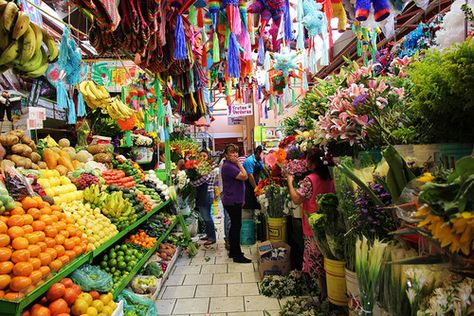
x=426 y=177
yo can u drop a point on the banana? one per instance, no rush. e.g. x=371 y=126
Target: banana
x=10 y=53
x=95 y=91
x=21 y=25
x=104 y=91
x=35 y=62
x=38 y=33
x=4 y=38
x=3 y=5
x=51 y=45
x=28 y=45
x=9 y=16
x=82 y=89
x=38 y=72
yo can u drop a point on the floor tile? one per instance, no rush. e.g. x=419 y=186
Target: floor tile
x=214 y=290
x=183 y=261
x=165 y=307
x=191 y=306
x=226 y=304
x=186 y=291
x=176 y=279
x=239 y=267
x=261 y=303
x=246 y=314
x=213 y=314
x=215 y=268
x=226 y=278
x=224 y=259
x=203 y=260
x=193 y=269
x=196 y=279
x=250 y=277
x=242 y=289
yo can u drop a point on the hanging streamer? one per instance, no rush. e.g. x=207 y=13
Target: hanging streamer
x=192 y=17
x=244 y=41
x=305 y=82
x=71 y=116
x=215 y=48
x=180 y=40
x=266 y=67
x=233 y=57
x=261 y=51
x=325 y=50
x=81 y=107
x=312 y=59
x=61 y=96
x=287 y=17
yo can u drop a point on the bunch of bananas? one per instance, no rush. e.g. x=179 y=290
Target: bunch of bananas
x=21 y=43
x=97 y=97
x=119 y=210
x=94 y=195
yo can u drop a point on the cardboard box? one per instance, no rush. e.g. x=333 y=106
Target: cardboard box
x=280 y=266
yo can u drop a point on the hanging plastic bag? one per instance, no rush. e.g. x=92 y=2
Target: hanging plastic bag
x=137 y=305
x=83 y=131
x=92 y=278
x=16 y=184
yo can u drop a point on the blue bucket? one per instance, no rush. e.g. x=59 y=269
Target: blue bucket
x=247 y=232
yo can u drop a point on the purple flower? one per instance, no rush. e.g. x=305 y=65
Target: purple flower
x=359 y=100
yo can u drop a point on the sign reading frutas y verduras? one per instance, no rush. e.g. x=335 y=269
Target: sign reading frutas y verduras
x=241 y=109
x=235 y=121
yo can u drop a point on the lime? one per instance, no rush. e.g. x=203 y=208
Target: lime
x=129 y=267
x=133 y=263
x=120 y=259
x=112 y=263
x=128 y=258
x=124 y=247
x=120 y=253
x=122 y=265
x=103 y=264
x=113 y=269
x=113 y=255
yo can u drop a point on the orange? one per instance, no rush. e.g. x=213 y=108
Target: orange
x=39 y=200
x=28 y=229
x=64 y=232
x=19 y=283
x=22 y=255
x=45 y=270
x=4 y=218
x=36 y=262
x=15 y=232
x=69 y=244
x=2 y=294
x=43 y=245
x=4 y=281
x=34 y=250
x=6 y=267
x=35 y=276
x=55 y=218
x=22 y=269
x=28 y=219
x=77 y=250
x=41 y=236
x=5 y=254
x=17 y=211
x=45 y=210
x=38 y=225
x=32 y=238
x=20 y=243
x=56 y=208
x=50 y=242
x=15 y=220
x=46 y=219
x=61 y=225
x=13 y=296
x=4 y=240
x=60 y=250
x=70 y=253
x=45 y=258
x=3 y=227
x=64 y=259
x=35 y=213
x=28 y=202
x=59 y=239
x=50 y=231
x=52 y=252
x=56 y=265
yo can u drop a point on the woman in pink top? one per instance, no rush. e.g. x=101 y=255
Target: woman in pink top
x=318 y=182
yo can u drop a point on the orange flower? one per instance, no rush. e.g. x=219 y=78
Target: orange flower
x=281 y=155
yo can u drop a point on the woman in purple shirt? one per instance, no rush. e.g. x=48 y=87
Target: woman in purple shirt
x=233 y=198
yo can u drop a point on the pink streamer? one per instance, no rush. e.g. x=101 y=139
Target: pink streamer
x=244 y=40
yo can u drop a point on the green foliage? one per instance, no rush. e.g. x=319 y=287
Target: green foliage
x=443 y=93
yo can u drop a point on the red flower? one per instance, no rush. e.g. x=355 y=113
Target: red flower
x=280 y=155
x=190 y=164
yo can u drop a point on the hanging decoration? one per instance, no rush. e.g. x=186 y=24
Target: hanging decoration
x=316 y=23
x=381 y=9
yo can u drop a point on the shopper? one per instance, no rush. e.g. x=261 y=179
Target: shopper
x=254 y=167
x=233 y=198
x=6 y=104
x=226 y=215
x=319 y=181
x=204 y=197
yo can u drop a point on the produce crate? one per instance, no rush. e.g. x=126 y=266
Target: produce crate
x=153 y=296
x=119 y=309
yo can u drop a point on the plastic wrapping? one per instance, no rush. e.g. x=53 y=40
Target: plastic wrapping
x=144 y=284
x=91 y=278
x=83 y=131
x=16 y=184
x=135 y=305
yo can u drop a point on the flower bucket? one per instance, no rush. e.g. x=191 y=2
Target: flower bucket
x=276 y=229
x=353 y=292
x=336 y=281
x=247 y=232
x=450 y=153
x=425 y=153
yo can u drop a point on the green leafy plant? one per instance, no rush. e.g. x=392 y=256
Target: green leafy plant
x=443 y=93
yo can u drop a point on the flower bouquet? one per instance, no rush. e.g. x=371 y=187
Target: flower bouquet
x=272 y=195
x=196 y=169
x=140 y=140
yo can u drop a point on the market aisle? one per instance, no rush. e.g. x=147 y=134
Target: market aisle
x=211 y=284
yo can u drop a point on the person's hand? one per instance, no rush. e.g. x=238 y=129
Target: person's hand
x=234 y=160
x=290 y=178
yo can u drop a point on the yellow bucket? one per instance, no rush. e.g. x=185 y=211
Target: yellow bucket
x=336 y=281
x=276 y=229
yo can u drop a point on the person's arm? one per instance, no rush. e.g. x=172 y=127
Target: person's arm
x=294 y=195
x=242 y=174
x=201 y=180
x=252 y=180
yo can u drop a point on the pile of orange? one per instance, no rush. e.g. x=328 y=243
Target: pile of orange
x=142 y=239
x=35 y=240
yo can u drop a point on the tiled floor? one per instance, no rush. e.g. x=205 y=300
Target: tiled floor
x=211 y=284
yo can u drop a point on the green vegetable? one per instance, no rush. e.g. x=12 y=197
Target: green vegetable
x=154 y=269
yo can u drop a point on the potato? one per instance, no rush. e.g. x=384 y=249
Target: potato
x=22 y=150
x=64 y=142
x=97 y=149
x=20 y=161
x=102 y=157
x=9 y=140
x=62 y=170
x=28 y=141
x=7 y=163
x=18 y=133
x=35 y=157
x=34 y=166
x=42 y=165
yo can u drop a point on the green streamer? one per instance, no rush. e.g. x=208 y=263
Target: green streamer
x=227 y=37
x=128 y=139
x=216 y=55
x=270 y=102
x=192 y=17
